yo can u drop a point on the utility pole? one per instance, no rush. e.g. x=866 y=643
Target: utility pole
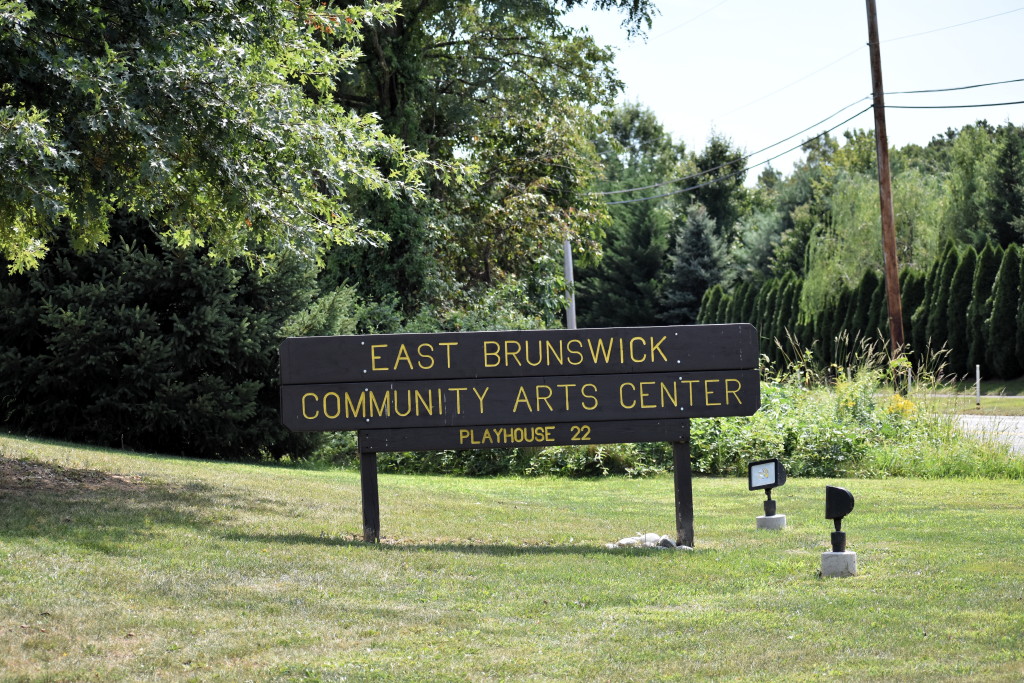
x=570 y=294
x=892 y=268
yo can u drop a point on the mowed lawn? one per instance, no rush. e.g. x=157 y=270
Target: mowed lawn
x=119 y=566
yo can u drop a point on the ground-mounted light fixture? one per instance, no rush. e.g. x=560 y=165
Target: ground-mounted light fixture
x=839 y=562
x=766 y=475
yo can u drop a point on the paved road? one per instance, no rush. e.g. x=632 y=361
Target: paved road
x=1010 y=429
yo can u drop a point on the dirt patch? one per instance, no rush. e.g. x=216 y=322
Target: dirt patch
x=20 y=475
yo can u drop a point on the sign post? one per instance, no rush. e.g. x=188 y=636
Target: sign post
x=538 y=388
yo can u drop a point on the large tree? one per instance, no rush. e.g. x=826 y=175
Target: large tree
x=214 y=121
x=507 y=89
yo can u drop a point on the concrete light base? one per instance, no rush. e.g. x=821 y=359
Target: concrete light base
x=839 y=564
x=771 y=522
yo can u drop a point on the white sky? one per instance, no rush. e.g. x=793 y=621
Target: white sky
x=758 y=71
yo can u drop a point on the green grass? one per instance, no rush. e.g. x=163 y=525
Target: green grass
x=116 y=566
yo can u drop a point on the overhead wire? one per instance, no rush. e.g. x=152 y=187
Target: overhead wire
x=732 y=163
x=736 y=173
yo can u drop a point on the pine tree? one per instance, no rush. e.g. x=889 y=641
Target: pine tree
x=919 y=319
x=862 y=324
x=956 y=311
x=978 y=310
x=694 y=268
x=1001 y=326
x=937 y=324
x=709 y=305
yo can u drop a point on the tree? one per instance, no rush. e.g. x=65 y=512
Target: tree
x=937 y=325
x=217 y=126
x=694 y=268
x=721 y=163
x=980 y=307
x=1001 y=325
x=508 y=90
x=1006 y=186
x=151 y=346
x=956 y=311
x=625 y=288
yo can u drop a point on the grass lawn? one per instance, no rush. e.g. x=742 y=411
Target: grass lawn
x=116 y=566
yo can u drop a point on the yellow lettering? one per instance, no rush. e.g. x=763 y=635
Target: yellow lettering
x=426 y=357
x=644 y=395
x=403 y=355
x=521 y=397
x=540 y=353
x=374 y=357
x=691 y=382
x=480 y=397
x=357 y=409
x=708 y=392
x=513 y=354
x=656 y=348
x=592 y=397
x=486 y=437
x=545 y=398
x=464 y=434
x=673 y=397
x=337 y=405
x=595 y=354
x=492 y=350
x=305 y=413
x=383 y=408
x=565 y=388
x=622 y=398
x=734 y=392
x=448 y=350
x=558 y=354
x=458 y=398
x=427 y=403
x=632 y=351
x=408 y=404
x=577 y=352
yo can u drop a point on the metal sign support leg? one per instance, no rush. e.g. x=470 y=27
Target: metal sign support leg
x=684 y=488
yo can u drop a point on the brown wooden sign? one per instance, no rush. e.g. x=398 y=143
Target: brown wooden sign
x=520 y=388
x=537 y=435
x=518 y=400
x=531 y=353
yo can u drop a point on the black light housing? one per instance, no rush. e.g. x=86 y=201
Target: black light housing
x=766 y=475
x=838 y=504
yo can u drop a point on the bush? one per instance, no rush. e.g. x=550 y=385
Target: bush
x=148 y=346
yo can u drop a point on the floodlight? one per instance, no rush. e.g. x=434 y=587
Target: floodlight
x=766 y=475
x=838 y=504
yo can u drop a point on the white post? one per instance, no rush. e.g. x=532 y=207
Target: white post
x=977 y=385
x=570 y=294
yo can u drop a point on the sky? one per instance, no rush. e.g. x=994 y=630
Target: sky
x=760 y=71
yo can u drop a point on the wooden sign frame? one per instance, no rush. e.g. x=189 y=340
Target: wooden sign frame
x=520 y=388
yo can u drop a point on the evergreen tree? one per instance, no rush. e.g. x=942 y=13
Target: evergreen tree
x=878 y=315
x=937 y=323
x=709 y=305
x=155 y=347
x=956 y=311
x=694 y=267
x=624 y=289
x=919 y=319
x=978 y=310
x=1020 y=318
x=861 y=323
x=1001 y=326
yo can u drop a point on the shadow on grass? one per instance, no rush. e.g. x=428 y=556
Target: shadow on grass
x=467 y=547
x=96 y=510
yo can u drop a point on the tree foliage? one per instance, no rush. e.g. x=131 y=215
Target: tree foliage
x=213 y=120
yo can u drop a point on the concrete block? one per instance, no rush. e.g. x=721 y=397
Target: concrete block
x=839 y=564
x=771 y=522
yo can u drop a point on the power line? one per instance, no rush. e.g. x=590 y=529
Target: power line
x=951 y=106
x=946 y=28
x=962 y=87
x=689 y=21
x=741 y=171
x=731 y=163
